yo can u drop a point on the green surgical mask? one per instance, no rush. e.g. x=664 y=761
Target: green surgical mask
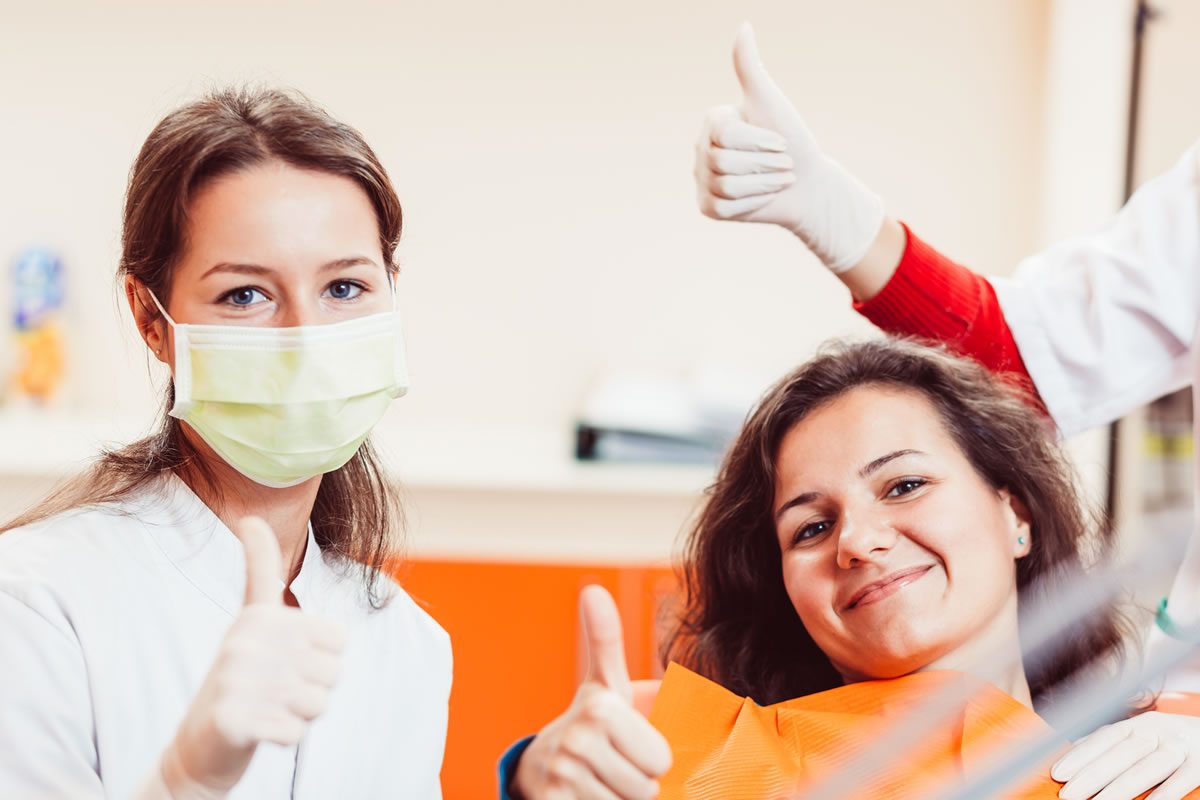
x=281 y=405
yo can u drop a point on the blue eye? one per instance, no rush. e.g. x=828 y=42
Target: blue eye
x=345 y=290
x=242 y=296
x=905 y=486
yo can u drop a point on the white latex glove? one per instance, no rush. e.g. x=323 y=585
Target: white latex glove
x=758 y=162
x=601 y=748
x=1122 y=760
x=272 y=675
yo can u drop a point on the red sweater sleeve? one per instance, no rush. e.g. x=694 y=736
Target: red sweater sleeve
x=931 y=297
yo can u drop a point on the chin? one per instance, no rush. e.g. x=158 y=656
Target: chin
x=896 y=661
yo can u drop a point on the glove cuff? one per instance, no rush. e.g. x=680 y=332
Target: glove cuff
x=845 y=217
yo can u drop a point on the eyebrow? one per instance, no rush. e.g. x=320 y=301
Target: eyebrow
x=258 y=269
x=865 y=472
x=878 y=463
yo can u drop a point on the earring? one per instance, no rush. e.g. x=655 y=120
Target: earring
x=1021 y=540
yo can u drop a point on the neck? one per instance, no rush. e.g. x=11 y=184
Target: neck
x=993 y=654
x=232 y=496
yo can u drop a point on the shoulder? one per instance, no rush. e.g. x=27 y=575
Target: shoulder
x=70 y=550
x=73 y=536
x=401 y=631
x=391 y=614
x=402 y=610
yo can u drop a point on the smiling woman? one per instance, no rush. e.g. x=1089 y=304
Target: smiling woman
x=881 y=516
x=907 y=500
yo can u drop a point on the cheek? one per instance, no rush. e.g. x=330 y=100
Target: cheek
x=975 y=555
x=811 y=590
x=978 y=563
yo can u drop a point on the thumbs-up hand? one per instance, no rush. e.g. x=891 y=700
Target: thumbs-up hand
x=758 y=162
x=272 y=675
x=600 y=747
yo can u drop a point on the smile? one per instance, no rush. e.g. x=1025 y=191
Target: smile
x=887 y=586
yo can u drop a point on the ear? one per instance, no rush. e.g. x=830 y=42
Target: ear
x=146 y=316
x=1019 y=523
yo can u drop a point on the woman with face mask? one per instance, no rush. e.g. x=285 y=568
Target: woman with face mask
x=148 y=653
x=877 y=525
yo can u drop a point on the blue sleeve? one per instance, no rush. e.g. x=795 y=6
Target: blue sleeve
x=508 y=765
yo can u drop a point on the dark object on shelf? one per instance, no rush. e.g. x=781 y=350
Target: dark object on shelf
x=626 y=446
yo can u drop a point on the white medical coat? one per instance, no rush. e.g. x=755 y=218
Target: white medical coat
x=1106 y=322
x=1110 y=321
x=110 y=618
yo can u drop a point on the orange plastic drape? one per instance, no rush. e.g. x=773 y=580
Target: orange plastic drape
x=729 y=747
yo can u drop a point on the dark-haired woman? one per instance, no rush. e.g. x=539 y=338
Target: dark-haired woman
x=881 y=515
x=1091 y=328
x=147 y=652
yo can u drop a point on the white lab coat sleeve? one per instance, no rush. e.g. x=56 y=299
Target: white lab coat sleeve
x=1105 y=322
x=47 y=749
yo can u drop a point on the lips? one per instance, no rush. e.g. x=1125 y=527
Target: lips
x=886 y=586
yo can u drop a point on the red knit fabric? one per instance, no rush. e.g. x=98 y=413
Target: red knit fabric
x=931 y=297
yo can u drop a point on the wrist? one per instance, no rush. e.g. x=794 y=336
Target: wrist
x=840 y=219
x=179 y=781
x=870 y=274
x=510 y=768
x=198 y=766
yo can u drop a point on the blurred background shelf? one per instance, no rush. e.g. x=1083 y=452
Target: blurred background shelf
x=53 y=443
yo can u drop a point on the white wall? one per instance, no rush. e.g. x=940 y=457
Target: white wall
x=1086 y=112
x=1170 y=119
x=543 y=154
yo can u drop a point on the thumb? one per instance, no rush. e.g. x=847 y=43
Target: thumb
x=751 y=73
x=264 y=564
x=605 y=641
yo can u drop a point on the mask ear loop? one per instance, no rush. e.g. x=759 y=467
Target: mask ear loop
x=400 y=364
x=159 y=305
x=183 y=362
x=160 y=308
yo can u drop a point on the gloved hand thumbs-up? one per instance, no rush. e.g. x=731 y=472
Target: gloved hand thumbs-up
x=758 y=88
x=742 y=175
x=264 y=563
x=272 y=675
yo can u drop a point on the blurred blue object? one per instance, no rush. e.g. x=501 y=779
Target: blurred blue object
x=38 y=287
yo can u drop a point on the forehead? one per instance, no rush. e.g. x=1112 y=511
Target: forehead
x=858 y=426
x=274 y=214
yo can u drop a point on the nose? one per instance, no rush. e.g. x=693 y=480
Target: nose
x=864 y=536
x=299 y=312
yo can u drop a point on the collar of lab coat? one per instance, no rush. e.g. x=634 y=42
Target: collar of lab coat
x=210 y=557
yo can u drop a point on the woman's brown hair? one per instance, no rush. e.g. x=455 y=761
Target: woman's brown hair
x=357 y=512
x=738 y=626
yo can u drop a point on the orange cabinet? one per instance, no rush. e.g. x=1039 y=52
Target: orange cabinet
x=518 y=648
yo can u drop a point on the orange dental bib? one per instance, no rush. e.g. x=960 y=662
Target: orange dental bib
x=730 y=748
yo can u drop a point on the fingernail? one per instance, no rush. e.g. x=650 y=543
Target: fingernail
x=1059 y=774
x=776 y=143
x=787 y=179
